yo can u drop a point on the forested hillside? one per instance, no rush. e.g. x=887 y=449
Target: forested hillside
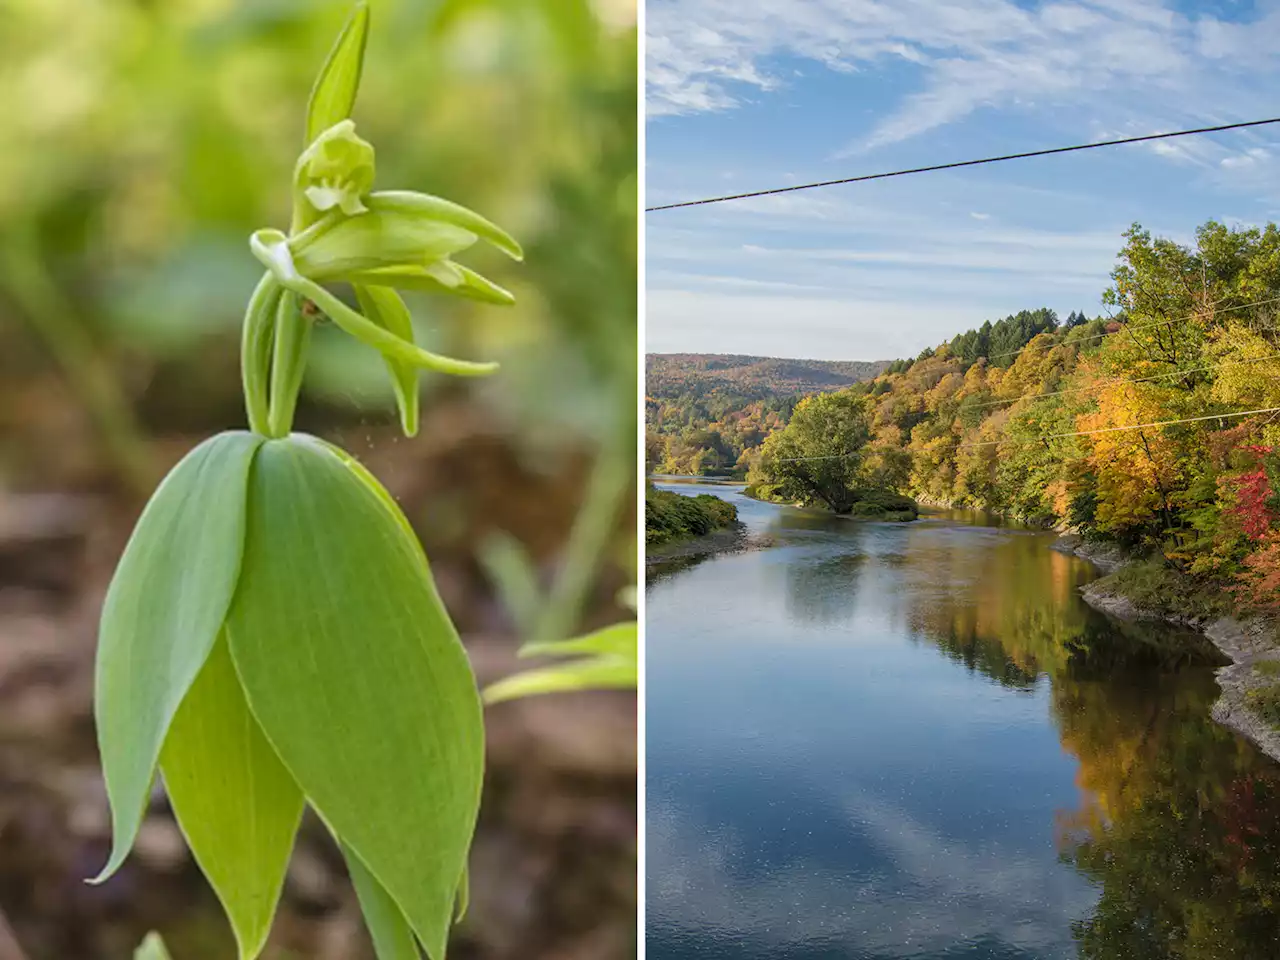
x=1156 y=427
x=703 y=410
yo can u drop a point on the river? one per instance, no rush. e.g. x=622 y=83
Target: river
x=878 y=740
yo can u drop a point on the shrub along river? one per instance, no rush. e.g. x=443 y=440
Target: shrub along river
x=884 y=740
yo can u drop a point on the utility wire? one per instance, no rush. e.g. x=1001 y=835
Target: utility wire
x=1136 y=426
x=961 y=163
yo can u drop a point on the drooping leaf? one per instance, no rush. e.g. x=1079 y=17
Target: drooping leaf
x=463 y=899
x=151 y=948
x=235 y=802
x=594 y=673
x=163 y=612
x=619 y=639
x=356 y=674
x=334 y=93
x=392 y=936
x=383 y=306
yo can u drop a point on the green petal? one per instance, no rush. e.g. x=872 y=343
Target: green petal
x=235 y=802
x=162 y=614
x=427 y=207
x=382 y=340
x=412 y=276
x=383 y=306
x=356 y=675
x=391 y=933
x=334 y=93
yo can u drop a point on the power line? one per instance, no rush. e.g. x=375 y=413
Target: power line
x=1120 y=383
x=961 y=163
x=1136 y=426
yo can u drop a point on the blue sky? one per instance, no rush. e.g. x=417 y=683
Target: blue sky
x=747 y=94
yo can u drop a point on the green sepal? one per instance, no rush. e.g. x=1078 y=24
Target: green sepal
x=255 y=351
x=235 y=802
x=162 y=614
x=334 y=94
x=412 y=276
x=426 y=207
x=384 y=341
x=384 y=307
x=357 y=677
x=377 y=239
x=392 y=936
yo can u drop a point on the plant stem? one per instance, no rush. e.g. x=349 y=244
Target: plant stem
x=49 y=313
x=255 y=352
x=288 y=362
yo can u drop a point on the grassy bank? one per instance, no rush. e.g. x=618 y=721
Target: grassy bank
x=672 y=517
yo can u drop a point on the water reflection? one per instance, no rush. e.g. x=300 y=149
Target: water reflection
x=824 y=783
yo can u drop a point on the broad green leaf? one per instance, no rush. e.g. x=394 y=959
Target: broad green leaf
x=387 y=343
x=392 y=936
x=429 y=208
x=377 y=239
x=618 y=640
x=383 y=306
x=356 y=675
x=288 y=361
x=372 y=482
x=334 y=93
x=255 y=350
x=413 y=276
x=235 y=802
x=152 y=948
x=163 y=612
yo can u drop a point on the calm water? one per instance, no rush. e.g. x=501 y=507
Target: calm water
x=914 y=740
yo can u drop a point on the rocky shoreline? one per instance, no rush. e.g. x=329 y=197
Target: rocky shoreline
x=1244 y=641
x=723 y=540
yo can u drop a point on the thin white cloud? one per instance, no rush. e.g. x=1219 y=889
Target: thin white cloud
x=1117 y=56
x=980 y=216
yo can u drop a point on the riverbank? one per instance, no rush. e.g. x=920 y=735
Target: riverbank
x=869 y=504
x=676 y=525
x=1132 y=589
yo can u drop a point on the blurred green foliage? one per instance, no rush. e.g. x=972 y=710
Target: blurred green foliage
x=143 y=141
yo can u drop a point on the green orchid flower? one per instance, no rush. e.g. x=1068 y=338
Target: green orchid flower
x=272 y=638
